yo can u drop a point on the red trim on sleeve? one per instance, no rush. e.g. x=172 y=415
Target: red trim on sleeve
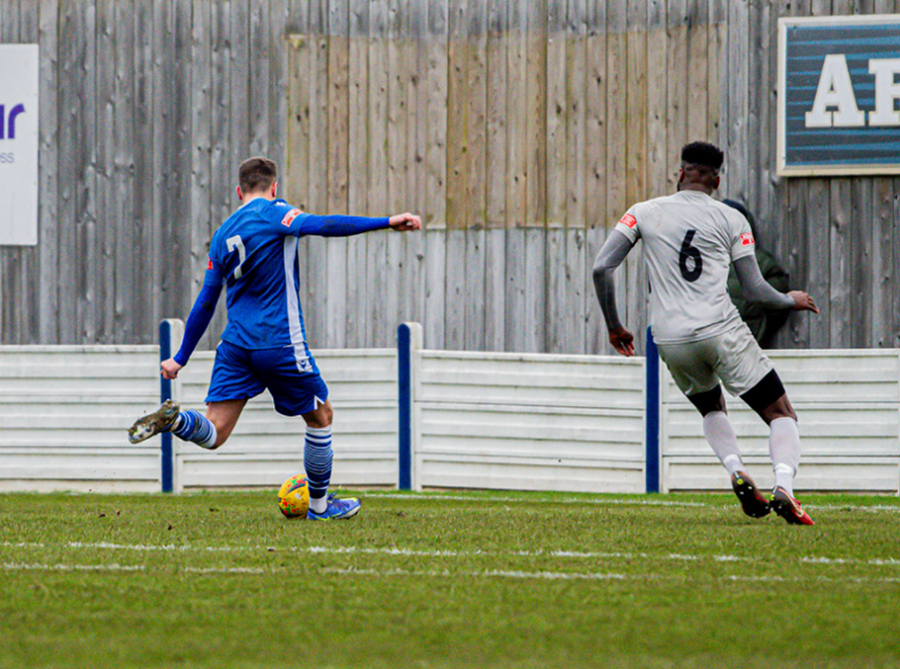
x=289 y=217
x=628 y=220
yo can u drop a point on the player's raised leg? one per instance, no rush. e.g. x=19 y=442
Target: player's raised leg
x=189 y=425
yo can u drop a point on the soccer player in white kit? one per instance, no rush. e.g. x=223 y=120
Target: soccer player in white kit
x=690 y=241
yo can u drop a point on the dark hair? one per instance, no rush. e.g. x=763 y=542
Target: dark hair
x=257 y=174
x=702 y=153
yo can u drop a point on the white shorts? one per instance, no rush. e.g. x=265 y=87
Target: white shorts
x=734 y=358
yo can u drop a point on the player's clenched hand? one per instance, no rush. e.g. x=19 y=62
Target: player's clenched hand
x=405 y=222
x=622 y=340
x=803 y=301
x=169 y=368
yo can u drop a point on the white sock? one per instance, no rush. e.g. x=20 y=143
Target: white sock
x=720 y=435
x=784 y=449
x=318 y=504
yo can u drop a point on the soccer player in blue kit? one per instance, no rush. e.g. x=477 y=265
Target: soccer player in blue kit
x=254 y=254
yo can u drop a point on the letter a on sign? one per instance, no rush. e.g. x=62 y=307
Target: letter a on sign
x=835 y=90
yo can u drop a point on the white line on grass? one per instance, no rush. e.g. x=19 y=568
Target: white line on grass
x=408 y=552
x=7 y=566
x=569 y=576
x=544 y=575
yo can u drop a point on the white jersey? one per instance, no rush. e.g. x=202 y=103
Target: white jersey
x=690 y=241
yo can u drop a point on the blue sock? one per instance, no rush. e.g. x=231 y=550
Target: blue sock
x=193 y=426
x=317 y=458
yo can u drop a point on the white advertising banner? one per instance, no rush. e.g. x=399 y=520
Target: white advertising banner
x=18 y=144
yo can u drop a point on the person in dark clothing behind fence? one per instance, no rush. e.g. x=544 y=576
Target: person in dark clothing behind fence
x=763 y=323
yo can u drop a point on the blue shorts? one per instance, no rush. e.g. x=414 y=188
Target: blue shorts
x=241 y=373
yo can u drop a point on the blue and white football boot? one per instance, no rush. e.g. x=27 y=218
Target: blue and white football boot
x=336 y=509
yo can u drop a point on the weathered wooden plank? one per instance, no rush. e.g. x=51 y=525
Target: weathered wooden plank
x=556 y=112
x=577 y=18
x=294 y=180
x=357 y=295
x=398 y=166
x=223 y=170
x=336 y=165
x=473 y=299
x=495 y=289
x=676 y=44
x=436 y=114
x=516 y=322
x=496 y=137
x=535 y=102
x=413 y=278
x=455 y=286
x=377 y=153
x=557 y=168
x=658 y=161
x=818 y=256
x=176 y=243
x=861 y=269
x=616 y=99
x=77 y=59
x=596 y=210
x=883 y=277
x=841 y=271
x=458 y=139
x=697 y=70
x=517 y=74
x=738 y=80
x=435 y=214
x=201 y=195
x=559 y=294
x=635 y=150
x=535 y=296
x=259 y=83
x=435 y=290
x=476 y=112
x=47 y=279
x=276 y=49
x=716 y=75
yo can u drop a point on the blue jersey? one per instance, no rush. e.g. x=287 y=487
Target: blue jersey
x=254 y=254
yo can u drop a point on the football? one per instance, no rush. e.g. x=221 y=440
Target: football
x=293 y=498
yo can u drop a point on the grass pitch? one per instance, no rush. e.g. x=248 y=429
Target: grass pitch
x=468 y=579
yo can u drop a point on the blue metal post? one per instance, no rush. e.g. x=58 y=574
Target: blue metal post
x=165 y=393
x=652 y=415
x=404 y=401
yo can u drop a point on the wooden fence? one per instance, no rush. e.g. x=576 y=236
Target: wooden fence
x=519 y=129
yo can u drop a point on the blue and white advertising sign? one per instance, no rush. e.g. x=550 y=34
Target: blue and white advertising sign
x=18 y=144
x=839 y=95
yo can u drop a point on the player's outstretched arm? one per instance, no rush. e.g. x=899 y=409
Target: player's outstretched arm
x=405 y=222
x=756 y=289
x=339 y=225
